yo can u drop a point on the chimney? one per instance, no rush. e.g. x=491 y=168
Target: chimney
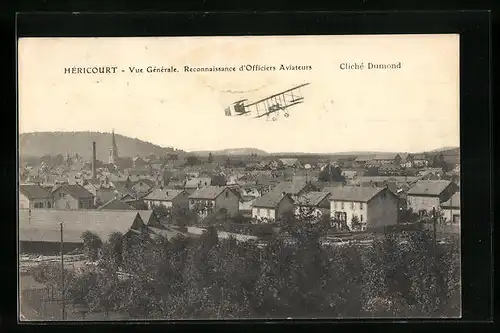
x=94 y=176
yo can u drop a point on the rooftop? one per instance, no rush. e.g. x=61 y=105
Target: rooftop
x=208 y=192
x=43 y=225
x=115 y=204
x=34 y=191
x=163 y=194
x=429 y=187
x=312 y=198
x=75 y=190
x=269 y=200
x=353 y=193
x=454 y=201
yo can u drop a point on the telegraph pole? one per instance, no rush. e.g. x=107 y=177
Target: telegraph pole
x=63 y=305
x=434 y=233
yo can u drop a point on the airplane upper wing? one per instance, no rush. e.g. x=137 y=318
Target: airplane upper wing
x=278 y=94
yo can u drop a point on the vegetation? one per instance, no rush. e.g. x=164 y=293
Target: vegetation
x=331 y=174
x=210 y=278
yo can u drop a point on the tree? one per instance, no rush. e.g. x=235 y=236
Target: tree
x=331 y=174
x=355 y=223
x=192 y=160
x=210 y=158
x=91 y=244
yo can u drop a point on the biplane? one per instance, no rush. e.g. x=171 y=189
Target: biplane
x=269 y=107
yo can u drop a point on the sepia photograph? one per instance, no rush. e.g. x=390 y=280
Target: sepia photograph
x=242 y=177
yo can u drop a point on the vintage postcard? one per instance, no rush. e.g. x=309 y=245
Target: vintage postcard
x=239 y=177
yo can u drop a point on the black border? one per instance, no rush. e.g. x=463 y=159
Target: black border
x=476 y=144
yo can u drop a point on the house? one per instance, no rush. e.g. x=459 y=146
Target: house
x=102 y=192
x=193 y=184
x=313 y=203
x=364 y=159
x=387 y=158
x=40 y=230
x=34 y=196
x=139 y=162
x=428 y=194
x=373 y=207
x=272 y=206
x=115 y=204
x=75 y=196
x=211 y=199
x=420 y=160
x=245 y=205
x=294 y=189
x=167 y=198
x=142 y=186
x=389 y=169
x=291 y=162
x=451 y=208
x=406 y=160
x=349 y=173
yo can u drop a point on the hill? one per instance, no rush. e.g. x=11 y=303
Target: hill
x=38 y=144
x=231 y=152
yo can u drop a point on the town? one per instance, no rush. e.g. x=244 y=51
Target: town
x=250 y=199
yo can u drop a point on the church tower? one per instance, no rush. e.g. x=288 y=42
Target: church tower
x=113 y=151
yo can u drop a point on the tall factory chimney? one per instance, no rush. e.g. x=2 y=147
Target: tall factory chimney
x=94 y=176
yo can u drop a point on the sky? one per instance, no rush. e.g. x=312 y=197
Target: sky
x=412 y=109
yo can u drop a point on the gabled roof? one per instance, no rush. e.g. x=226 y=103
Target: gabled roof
x=453 y=202
x=75 y=190
x=208 y=192
x=148 y=182
x=116 y=204
x=166 y=232
x=312 y=199
x=33 y=191
x=42 y=225
x=270 y=200
x=429 y=187
x=292 y=188
x=353 y=193
x=194 y=182
x=163 y=194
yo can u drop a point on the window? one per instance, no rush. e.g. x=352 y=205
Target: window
x=258 y=211
x=49 y=205
x=342 y=205
x=361 y=217
x=353 y=205
x=268 y=212
x=227 y=194
x=80 y=204
x=361 y=206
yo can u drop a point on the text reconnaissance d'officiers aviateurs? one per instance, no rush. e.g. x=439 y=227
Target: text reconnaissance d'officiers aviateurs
x=186 y=68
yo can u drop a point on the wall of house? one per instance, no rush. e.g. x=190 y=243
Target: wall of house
x=154 y=203
x=351 y=208
x=262 y=214
x=25 y=203
x=105 y=194
x=181 y=201
x=418 y=203
x=451 y=214
x=228 y=200
x=382 y=210
x=284 y=207
x=62 y=200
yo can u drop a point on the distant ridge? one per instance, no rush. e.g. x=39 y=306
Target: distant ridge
x=231 y=152
x=38 y=144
